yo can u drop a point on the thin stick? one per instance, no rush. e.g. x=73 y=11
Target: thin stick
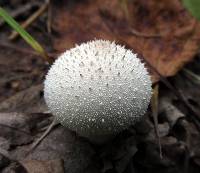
x=145 y=35
x=178 y=94
x=154 y=109
x=21 y=10
x=38 y=141
x=49 y=18
x=29 y=21
x=193 y=77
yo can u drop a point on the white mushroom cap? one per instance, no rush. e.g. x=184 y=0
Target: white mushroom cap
x=97 y=88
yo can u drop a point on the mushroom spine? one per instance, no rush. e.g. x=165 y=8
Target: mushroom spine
x=97 y=88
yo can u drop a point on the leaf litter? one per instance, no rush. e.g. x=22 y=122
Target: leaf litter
x=24 y=116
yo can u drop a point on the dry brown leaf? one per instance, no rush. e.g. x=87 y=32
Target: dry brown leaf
x=49 y=166
x=29 y=100
x=19 y=130
x=161 y=31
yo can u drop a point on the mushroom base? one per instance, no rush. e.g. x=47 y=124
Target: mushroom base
x=101 y=139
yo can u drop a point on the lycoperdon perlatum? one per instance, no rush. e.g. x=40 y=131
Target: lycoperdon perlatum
x=97 y=88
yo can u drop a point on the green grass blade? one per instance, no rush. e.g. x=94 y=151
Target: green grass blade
x=193 y=6
x=26 y=36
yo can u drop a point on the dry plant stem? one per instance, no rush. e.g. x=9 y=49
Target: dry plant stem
x=21 y=10
x=193 y=77
x=145 y=35
x=38 y=141
x=196 y=118
x=131 y=30
x=124 y=6
x=49 y=19
x=154 y=108
x=30 y=20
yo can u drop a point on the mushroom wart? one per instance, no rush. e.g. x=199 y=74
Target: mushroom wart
x=97 y=88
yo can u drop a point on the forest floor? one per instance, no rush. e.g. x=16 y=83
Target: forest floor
x=167 y=140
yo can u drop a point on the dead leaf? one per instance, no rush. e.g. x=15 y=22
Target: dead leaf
x=122 y=153
x=107 y=165
x=18 y=128
x=122 y=164
x=163 y=129
x=18 y=70
x=161 y=31
x=49 y=166
x=149 y=156
x=14 y=168
x=171 y=112
x=12 y=132
x=29 y=100
x=4 y=145
x=4 y=161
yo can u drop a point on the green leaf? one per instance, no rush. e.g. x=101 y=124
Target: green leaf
x=193 y=6
x=26 y=36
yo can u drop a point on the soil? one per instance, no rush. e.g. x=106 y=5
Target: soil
x=167 y=140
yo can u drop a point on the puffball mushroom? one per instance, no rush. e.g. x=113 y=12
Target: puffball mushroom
x=97 y=89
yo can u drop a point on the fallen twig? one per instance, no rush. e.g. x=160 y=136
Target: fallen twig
x=37 y=142
x=193 y=77
x=21 y=10
x=145 y=35
x=195 y=119
x=154 y=109
x=30 y=20
x=49 y=18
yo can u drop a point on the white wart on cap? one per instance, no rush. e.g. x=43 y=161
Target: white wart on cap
x=97 y=88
